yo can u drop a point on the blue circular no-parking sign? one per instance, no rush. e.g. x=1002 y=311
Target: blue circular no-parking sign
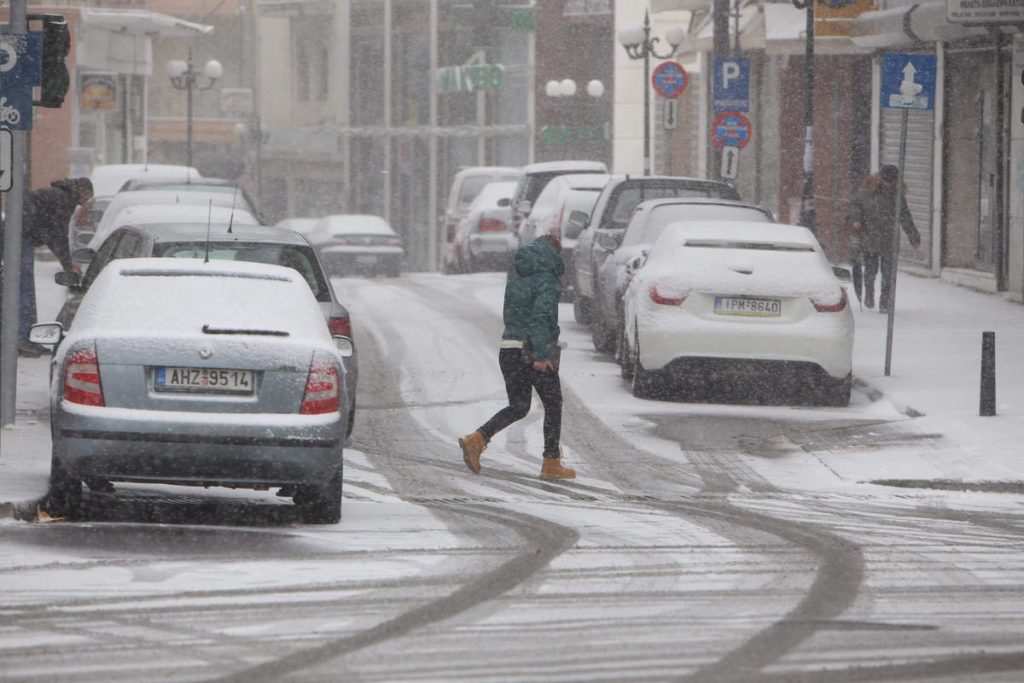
x=669 y=79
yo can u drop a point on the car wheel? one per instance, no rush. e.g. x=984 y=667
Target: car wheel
x=835 y=392
x=65 y=492
x=625 y=356
x=351 y=419
x=320 y=503
x=644 y=381
x=581 y=310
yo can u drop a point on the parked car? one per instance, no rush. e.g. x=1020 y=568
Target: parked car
x=535 y=178
x=717 y=299
x=649 y=220
x=483 y=238
x=612 y=212
x=199 y=197
x=220 y=185
x=148 y=214
x=253 y=243
x=198 y=373
x=358 y=243
x=107 y=180
x=562 y=198
x=466 y=185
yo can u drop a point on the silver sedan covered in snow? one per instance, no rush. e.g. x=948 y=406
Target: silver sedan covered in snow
x=198 y=373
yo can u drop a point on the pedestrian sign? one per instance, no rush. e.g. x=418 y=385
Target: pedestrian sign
x=669 y=79
x=731 y=86
x=731 y=129
x=908 y=81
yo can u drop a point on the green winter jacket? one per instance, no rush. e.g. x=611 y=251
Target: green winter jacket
x=531 y=297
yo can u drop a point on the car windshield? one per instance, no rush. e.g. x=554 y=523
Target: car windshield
x=298 y=258
x=661 y=216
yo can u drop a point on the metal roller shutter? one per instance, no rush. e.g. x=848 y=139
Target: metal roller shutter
x=917 y=174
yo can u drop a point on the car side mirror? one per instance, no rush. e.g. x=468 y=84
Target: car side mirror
x=344 y=346
x=523 y=208
x=83 y=255
x=843 y=274
x=46 y=334
x=505 y=201
x=574 y=226
x=610 y=241
x=66 y=278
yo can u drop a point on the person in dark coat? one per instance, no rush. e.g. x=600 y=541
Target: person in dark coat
x=45 y=219
x=873 y=223
x=528 y=354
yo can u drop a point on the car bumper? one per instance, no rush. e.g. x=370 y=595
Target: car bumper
x=122 y=444
x=825 y=341
x=335 y=258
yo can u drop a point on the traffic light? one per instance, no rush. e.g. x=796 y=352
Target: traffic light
x=56 y=45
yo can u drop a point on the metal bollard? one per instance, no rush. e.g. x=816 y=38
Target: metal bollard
x=988 y=373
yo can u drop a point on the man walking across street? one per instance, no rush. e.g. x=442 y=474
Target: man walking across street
x=45 y=220
x=528 y=355
x=872 y=221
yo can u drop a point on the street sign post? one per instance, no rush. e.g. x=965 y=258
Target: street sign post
x=731 y=128
x=6 y=160
x=669 y=79
x=731 y=85
x=908 y=82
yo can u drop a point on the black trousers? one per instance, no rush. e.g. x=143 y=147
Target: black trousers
x=878 y=263
x=520 y=381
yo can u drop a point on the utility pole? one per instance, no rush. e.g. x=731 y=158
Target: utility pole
x=720 y=48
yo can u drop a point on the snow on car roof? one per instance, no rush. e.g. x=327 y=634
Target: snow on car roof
x=108 y=178
x=146 y=214
x=365 y=224
x=492 y=192
x=550 y=166
x=179 y=296
x=584 y=181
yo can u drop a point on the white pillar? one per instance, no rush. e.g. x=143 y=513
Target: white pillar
x=432 y=222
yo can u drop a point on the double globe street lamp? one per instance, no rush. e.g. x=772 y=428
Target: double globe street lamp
x=184 y=76
x=640 y=45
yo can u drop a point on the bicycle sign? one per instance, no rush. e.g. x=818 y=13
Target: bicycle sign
x=669 y=79
x=731 y=129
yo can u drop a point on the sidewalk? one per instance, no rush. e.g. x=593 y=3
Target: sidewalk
x=935 y=379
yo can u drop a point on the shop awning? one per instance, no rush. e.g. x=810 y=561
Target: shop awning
x=141 y=22
x=777 y=29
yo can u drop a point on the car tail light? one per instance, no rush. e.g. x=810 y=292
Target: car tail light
x=831 y=308
x=667 y=295
x=82 y=378
x=491 y=225
x=340 y=327
x=323 y=389
x=82 y=215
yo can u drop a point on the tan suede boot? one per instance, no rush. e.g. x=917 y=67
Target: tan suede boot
x=472 y=446
x=552 y=469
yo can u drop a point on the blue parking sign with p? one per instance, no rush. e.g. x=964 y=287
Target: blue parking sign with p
x=731 y=85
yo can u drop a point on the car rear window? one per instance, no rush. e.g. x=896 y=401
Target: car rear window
x=298 y=258
x=662 y=216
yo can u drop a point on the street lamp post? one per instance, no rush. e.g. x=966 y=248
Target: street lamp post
x=184 y=76
x=808 y=217
x=640 y=45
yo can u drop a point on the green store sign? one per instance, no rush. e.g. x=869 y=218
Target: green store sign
x=486 y=77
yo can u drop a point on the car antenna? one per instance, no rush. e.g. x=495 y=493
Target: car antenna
x=231 y=218
x=209 y=217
